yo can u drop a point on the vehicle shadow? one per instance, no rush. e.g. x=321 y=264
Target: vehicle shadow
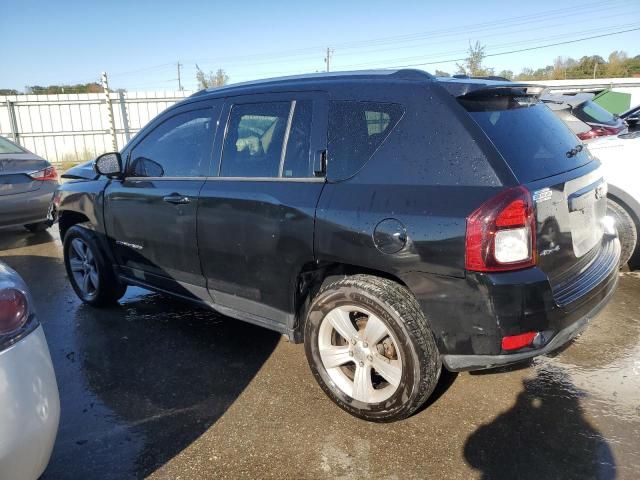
x=168 y=370
x=12 y=238
x=544 y=435
x=141 y=381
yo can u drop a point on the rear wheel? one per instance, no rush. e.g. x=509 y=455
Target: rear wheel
x=38 y=227
x=90 y=275
x=627 y=231
x=370 y=348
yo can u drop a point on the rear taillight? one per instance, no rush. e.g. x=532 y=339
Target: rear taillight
x=501 y=233
x=14 y=310
x=601 y=131
x=48 y=173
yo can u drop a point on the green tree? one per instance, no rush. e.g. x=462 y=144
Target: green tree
x=211 y=79
x=472 y=65
x=8 y=91
x=526 y=74
x=508 y=74
x=441 y=73
x=91 y=87
x=617 y=65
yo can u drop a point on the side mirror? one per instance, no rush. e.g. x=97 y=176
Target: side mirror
x=109 y=164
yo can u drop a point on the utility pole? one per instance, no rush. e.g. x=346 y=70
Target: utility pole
x=595 y=67
x=327 y=59
x=179 y=65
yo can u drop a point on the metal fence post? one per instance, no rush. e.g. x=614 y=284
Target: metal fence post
x=125 y=117
x=13 y=124
x=112 y=123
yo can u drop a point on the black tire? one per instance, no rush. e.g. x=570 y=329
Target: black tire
x=38 y=227
x=627 y=231
x=400 y=313
x=108 y=289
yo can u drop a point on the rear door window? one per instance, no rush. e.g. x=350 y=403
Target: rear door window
x=532 y=139
x=297 y=161
x=255 y=139
x=356 y=131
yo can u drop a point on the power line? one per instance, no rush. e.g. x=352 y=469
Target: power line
x=502 y=45
x=449 y=60
x=430 y=34
x=520 y=50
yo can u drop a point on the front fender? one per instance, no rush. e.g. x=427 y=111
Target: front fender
x=82 y=202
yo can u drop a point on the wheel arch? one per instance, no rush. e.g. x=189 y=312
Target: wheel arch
x=313 y=276
x=69 y=218
x=626 y=201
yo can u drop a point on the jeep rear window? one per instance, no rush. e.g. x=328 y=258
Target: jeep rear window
x=529 y=136
x=356 y=130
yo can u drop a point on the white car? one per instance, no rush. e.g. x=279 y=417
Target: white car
x=29 y=400
x=620 y=157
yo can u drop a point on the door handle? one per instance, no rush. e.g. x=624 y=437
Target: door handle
x=177 y=199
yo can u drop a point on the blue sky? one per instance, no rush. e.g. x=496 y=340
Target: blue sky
x=139 y=42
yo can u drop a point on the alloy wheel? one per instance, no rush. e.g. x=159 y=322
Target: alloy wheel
x=84 y=268
x=360 y=354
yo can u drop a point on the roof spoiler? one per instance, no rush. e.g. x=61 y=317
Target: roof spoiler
x=494 y=89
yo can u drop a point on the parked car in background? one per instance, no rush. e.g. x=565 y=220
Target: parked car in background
x=580 y=106
x=27 y=183
x=338 y=210
x=632 y=117
x=620 y=157
x=82 y=171
x=29 y=401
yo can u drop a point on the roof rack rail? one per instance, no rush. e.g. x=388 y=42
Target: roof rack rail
x=411 y=74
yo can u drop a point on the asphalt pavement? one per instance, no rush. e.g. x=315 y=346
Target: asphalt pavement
x=157 y=388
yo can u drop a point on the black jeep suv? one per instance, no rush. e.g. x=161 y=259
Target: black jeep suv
x=394 y=222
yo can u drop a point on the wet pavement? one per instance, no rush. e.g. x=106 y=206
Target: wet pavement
x=155 y=388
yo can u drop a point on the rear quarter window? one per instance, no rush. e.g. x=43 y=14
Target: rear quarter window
x=8 y=147
x=534 y=142
x=356 y=131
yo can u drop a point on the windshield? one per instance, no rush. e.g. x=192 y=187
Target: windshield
x=592 y=112
x=9 y=147
x=531 y=138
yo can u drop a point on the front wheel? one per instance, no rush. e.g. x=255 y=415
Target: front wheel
x=90 y=275
x=370 y=348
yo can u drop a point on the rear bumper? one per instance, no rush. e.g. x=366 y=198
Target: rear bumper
x=470 y=316
x=459 y=363
x=27 y=207
x=29 y=407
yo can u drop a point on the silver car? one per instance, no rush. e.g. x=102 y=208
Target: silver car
x=27 y=183
x=29 y=401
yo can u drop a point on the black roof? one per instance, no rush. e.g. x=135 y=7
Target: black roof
x=373 y=75
x=456 y=86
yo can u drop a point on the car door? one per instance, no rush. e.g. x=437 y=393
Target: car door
x=151 y=213
x=256 y=217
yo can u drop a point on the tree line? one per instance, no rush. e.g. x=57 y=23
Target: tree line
x=618 y=65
